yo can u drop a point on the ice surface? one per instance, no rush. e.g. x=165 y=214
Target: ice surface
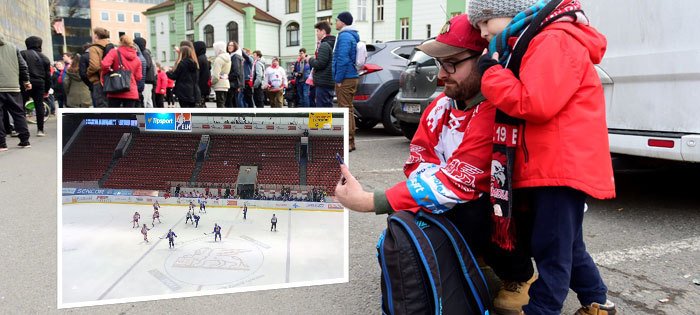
x=104 y=258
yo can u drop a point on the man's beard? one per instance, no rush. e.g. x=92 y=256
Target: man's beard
x=466 y=89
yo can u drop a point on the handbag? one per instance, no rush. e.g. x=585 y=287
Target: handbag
x=119 y=80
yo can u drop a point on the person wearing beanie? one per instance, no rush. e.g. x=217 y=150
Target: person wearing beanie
x=150 y=72
x=552 y=92
x=344 y=71
x=453 y=170
x=204 y=79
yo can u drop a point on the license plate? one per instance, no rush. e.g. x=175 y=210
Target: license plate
x=411 y=108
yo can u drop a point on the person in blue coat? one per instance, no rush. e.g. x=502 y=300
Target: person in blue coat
x=344 y=71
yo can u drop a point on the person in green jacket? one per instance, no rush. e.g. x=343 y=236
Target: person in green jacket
x=77 y=93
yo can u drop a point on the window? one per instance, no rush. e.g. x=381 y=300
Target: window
x=105 y=16
x=189 y=17
x=190 y=37
x=136 y=18
x=120 y=17
x=292 y=6
x=172 y=24
x=404 y=28
x=428 y=28
x=137 y=34
x=361 y=10
x=232 y=31
x=164 y=56
x=404 y=52
x=325 y=19
x=380 y=10
x=293 y=34
x=162 y=27
x=209 y=35
x=173 y=54
x=325 y=5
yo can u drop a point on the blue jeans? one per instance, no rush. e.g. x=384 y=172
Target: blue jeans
x=324 y=96
x=303 y=94
x=560 y=253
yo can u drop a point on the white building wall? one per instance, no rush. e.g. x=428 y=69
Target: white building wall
x=386 y=30
x=267 y=39
x=218 y=17
x=427 y=13
x=162 y=39
x=364 y=28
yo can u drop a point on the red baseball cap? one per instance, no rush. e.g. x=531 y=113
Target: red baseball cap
x=456 y=36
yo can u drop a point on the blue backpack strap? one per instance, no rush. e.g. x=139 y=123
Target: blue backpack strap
x=425 y=251
x=478 y=286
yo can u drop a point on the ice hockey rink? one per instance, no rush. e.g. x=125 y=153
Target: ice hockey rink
x=103 y=258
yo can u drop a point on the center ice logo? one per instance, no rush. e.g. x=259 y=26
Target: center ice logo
x=215 y=264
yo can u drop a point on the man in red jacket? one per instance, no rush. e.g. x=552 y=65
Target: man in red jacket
x=448 y=169
x=562 y=153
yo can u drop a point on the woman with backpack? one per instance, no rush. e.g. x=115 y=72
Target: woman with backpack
x=77 y=93
x=123 y=58
x=186 y=76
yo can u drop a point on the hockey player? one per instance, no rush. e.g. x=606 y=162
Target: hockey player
x=245 y=211
x=217 y=231
x=196 y=220
x=136 y=218
x=156 y=215
x=171 y=238
x=274 y=223
x=202 y=205
x=144 y=231
x=156 y=206
x=191 y=205
x=189 y=217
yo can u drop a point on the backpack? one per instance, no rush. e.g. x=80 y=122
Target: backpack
x=428 y=268
x=85 y=61
x=360 y=55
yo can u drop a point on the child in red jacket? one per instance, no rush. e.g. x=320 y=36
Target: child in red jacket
x=161 y=86
x=169 y=96
x=562 y=155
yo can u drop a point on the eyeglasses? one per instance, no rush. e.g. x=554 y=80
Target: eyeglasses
x=451 y=67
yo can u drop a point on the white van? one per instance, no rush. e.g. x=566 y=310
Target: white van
x=651 y=76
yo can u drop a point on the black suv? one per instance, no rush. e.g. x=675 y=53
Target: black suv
x=419 y=86
x=379 y=83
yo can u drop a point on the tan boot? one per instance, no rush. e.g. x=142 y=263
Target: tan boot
x=597 y=309
x=512 y=297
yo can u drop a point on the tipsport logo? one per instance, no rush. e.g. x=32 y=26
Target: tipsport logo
x=169 y=122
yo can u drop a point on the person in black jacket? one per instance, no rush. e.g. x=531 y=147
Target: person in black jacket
x=150 y=77
x=322 y=64
x=235 y=77
x=40 y=77
x=200 y=48
x=186 y=76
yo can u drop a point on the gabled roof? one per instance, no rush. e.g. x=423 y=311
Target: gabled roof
x=163 y=5
x=260 y=15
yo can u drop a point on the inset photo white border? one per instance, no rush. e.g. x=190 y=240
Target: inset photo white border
x=102 y=228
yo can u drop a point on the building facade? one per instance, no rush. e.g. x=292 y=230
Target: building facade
x=21 y=19
x=282 y=27
x=121 y=17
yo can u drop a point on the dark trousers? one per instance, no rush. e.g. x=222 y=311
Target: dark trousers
x=231 y=98
x=259 y=97
x=37 y=95
x=159 y=101
x=221 y=97
x=560 y=253
x=473 y=220
x=122 y=103
x=10 y=103
x=187 y=104
x=169 y=96
x=7 y=127
x=171 y=242
x=248 y=96
x=324 y=96
x=312 y=96
x=99 y=99
x=274 y=226
x=217 y=234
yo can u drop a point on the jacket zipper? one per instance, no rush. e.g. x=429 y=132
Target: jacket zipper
x=525 y=153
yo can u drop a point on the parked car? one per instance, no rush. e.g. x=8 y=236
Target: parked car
x=379 y=83
x=418 y=87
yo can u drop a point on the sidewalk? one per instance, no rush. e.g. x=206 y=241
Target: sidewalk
x=28 y=206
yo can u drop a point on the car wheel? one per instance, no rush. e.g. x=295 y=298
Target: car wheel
x=408 y=129
x=365 y=124
x=391 y=124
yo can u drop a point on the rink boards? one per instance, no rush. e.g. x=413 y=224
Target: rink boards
x=102 y=259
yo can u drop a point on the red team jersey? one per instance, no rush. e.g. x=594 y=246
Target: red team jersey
x=450 y=158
